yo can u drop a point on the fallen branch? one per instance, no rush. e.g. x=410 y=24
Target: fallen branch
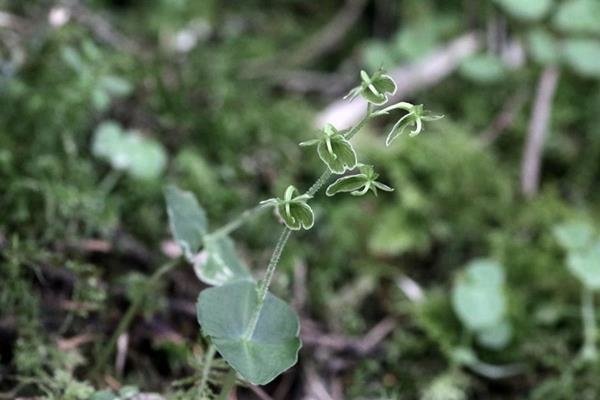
x=505 y=118
x=320 y=43
x=537 y=132
x=418 y=75
x=360 y=346
x=330 y=35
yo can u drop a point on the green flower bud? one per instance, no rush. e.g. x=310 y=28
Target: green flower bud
x=334 y=149
x=375 y=88
x=293 y=209
x=358 y=184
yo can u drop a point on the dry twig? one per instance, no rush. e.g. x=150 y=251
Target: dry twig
x=418 y=75
x=538 y=129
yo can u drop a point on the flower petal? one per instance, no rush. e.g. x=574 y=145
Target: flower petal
x=346 y=184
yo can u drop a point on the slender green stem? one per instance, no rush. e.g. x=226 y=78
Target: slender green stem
x=350 y=134
x=109 y=182
x=239 y=221
x=319 y=183
x=206 y=367
x=131 y=312
x=589 y=350
x=228 y=385
x=266 y=282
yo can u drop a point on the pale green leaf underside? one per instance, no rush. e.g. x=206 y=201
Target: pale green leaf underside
x=140 y=156
x=495 y=337
x=478 y=295
x=583 y=55
x=574 y=235
x=219 y=263
x=544 y=48
x=225 y=313
x=187 y=219
x=526 y=9
x=483 y=68
x=578 y=16
x=585 y=265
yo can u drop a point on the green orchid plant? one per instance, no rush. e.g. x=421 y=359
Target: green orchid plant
x=256 y=333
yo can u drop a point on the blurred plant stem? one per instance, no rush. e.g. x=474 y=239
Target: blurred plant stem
x=228 y=385
x=109 y=181
x=589 y=351
x=105 y=353
x=285 y=234
x=206 y=367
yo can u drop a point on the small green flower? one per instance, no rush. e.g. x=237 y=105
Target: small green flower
x=375 y=88
x=293 y=209
x=414 y=118
x=358 y=184
x=334 y=149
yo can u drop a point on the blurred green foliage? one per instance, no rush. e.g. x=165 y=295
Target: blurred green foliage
x=77 y=240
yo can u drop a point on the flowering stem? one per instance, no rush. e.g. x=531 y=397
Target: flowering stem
x=285 y=235
x=266 y=282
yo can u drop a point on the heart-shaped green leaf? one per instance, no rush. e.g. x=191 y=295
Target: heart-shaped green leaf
x=219 y=263
x=225 y=314
x=187 y=220
x=585 y=265
x=478 y=295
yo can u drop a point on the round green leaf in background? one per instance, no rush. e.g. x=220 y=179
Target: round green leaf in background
x=530 y=10
x=483 y=68
x=495 y=337
x=129 y=151
x=574 y=235
x=583 y=55
x=543 y=47
x=585 y=265
x=478 y=295
x=578 y=16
